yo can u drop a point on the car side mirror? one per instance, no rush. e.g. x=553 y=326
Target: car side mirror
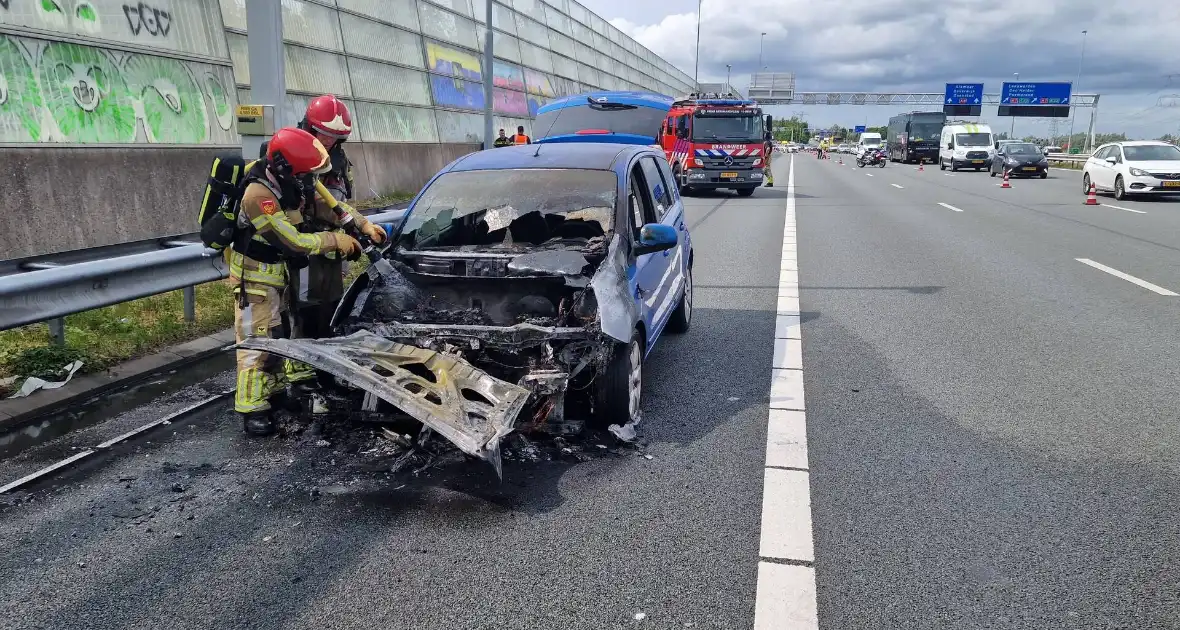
x=950 y=145
x=656 y=237
x=681 y=132
x=1112 y=160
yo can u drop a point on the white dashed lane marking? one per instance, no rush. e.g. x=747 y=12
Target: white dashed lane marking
x=786 y=572
x=1126 y=276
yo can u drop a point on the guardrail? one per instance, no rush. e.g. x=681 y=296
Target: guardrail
x=1074 y=158
x=48 y=291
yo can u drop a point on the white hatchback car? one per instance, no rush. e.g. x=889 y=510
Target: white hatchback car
x=1134 y=168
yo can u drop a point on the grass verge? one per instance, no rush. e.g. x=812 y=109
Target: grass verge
x=107 y=336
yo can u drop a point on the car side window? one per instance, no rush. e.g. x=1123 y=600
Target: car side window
x=660 y=196
x=669 y=182
x=1102 y=153
x=640 y=201
x=1117 y=153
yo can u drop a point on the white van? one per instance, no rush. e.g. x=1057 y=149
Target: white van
x=966 y=145
x=868 y=140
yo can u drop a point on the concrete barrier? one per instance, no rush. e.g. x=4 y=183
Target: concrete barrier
x=56 y=199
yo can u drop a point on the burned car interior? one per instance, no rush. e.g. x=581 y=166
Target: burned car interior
x=500 y=305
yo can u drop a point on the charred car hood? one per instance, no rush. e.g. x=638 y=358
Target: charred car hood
x=425 y=366
x=471 y=408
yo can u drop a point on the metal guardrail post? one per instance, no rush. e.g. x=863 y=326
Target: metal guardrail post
x=57 y=331
x=190 y=304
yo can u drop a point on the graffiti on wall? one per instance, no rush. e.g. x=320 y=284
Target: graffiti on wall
x=507 y=76
x=461 y=86
x=509 y=102
x=63 y=92
x=150 y=23
x=143 y=17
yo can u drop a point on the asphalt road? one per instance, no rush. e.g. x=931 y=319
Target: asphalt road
x=992 y=432
x=201 y=528
x=990 y=436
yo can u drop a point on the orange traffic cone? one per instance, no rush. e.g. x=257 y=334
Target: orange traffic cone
x=1092 y=196
x=1005 y=184
x=921 y=161
x=841 y=160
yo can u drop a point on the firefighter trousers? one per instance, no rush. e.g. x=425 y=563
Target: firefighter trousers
x=260 y=374
x=768 y=173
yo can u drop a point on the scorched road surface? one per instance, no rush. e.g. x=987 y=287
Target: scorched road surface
x=992 y=423
x=198 y=527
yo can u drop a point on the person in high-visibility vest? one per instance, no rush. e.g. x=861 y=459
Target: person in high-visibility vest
x=521 y=137
x=767 y=173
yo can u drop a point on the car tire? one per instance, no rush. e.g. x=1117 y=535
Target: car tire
x=954 y=167
x=1120 y=190
x=941 y=165
x=619 y=393
x=1085 y=183
x=745 y=192
x=681 y=318
x=1044 y=176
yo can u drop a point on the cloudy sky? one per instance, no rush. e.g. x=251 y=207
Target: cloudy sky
x=919 y=45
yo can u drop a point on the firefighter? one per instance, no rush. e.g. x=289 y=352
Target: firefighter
x=767 y=172
x=318 y=286
x=266 y=238
x=521 y=137
x=502 y=140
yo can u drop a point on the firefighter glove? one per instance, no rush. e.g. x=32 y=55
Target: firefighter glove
x=375 y=232
x=347 y=245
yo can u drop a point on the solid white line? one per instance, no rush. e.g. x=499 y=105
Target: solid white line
x=896 y=186
x=949 y=206
x=786 y=516
x=1129 y=278
x=786 y=439
x=48 y=469
x=785 y=595
x=1107 y=205
x=788 y=354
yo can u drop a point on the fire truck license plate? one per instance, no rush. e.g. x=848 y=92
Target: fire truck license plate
x=729 y=175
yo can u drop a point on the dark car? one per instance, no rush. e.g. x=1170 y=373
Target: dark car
x=1023 y=159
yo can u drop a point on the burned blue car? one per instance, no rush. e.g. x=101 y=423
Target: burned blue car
x=524 y=288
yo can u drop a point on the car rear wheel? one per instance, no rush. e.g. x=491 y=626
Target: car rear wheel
x=619 y=394
x=1120 y=190
x=682 y=317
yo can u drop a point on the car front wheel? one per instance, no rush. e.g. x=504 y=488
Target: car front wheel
x=1120 y=191
x=1086 y=183
x=619 y=394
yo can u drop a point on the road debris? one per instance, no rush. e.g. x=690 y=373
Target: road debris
x=625 y=433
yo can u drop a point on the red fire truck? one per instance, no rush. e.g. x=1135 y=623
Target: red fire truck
x=715 y=142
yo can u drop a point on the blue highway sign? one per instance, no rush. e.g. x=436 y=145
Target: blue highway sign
x=964 y=93
x=859 y=129
x=1056 y=93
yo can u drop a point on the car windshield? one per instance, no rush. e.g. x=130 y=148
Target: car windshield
x=503 y=208
x=743 y=128
x=925 y=131
x=1152 y=153
x=1022 y=149
x=973 y=139
x=622 y=119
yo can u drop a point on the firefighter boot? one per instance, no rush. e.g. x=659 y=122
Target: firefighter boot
x=258 y=423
